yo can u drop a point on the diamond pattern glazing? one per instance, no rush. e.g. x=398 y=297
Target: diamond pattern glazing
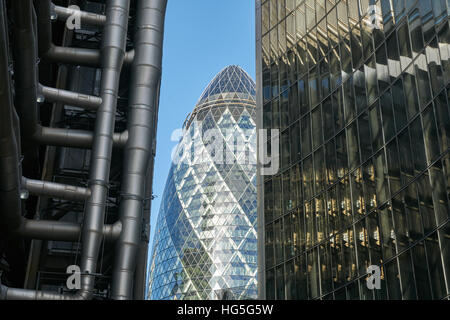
x=205 y=243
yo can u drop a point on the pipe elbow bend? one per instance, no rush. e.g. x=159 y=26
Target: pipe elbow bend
x=3 y=291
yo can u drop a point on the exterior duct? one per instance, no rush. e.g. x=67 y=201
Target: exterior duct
x=25 y=75
x=26 y=90
x=61 y=231
x=71 y=98
x=80 y=56
x=11 y=211
x=73 y=138
x=49 y=230
x=144 y=95
x=131 y=232
x=92 y=233
x=10 y=218
x=140 y=276
x=54 y=53
x=85 y=17
x=56 y=190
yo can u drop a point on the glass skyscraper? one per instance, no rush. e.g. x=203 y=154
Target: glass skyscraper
x=360 y=93
x=205 y=243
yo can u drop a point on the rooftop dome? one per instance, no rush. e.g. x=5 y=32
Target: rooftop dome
x=232 y=79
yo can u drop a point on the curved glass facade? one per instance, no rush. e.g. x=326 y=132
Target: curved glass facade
x=205 y=243
x=360 y=92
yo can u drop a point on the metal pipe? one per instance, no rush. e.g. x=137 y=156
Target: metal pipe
x=142 y=256
x=129 y=57
x=58 y=54
x=80 y=56
x=111 y=232
x=64 y=137
x=112 y=53
x=49 y=230
x=140 y=276
x=144 y=94
x=44 y=26
x=53 y=53
x=26 y=86
x=75 y=56
x=88 y=18
x=61 y=231
x=55 y=190
x=76 y=99
x=26 y=93
x=25 y=67
x=11 y=211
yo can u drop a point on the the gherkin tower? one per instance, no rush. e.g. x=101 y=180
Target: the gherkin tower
x=205 y=243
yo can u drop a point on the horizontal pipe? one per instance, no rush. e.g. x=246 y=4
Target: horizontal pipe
x=111 y=232
x=143 y=104
x=72 y=138
x=55 y=190
x=61 y=231
x=129 y=57
x=92 y=19
x=80 y=56
x=76 y=99
x=58 y=54
x=76 y=56
x=49 y=230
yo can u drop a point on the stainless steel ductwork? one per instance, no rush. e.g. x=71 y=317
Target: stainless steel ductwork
x=72 y=98
x=52 y=52
x=61 y=231
x=57 y=190
x=27 y=89
x=33 y=39
x=10 y=218
x=145 y=85
x=85 y=17
x=72 y=137
x=113 y=53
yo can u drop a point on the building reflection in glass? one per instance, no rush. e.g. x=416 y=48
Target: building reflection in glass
x=360 y=92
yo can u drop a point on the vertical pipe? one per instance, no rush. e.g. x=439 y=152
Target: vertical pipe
x=11 y=211
x=112 y=52
x=44 y=29
x=140 y=277
x=145 y=84
x=10 y=217
x=140 y=288
x=25 y=97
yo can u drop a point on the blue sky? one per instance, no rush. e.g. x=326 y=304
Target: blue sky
x=201 y=38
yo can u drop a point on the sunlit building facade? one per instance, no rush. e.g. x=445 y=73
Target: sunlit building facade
x=360 y=93
x=205 y=244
